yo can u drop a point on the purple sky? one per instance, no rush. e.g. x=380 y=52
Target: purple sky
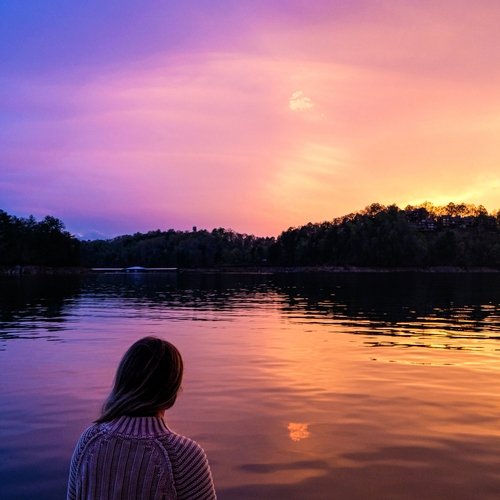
x=126 y=116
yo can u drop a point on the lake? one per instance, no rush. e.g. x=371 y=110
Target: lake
x=298 y=386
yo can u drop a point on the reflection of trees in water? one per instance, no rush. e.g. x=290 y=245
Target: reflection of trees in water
x=190 y=290
x=29 y=302
x=395 y=303
x=462 y=301
x=381 y=298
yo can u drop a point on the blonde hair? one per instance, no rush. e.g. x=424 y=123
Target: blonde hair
x=147 y=380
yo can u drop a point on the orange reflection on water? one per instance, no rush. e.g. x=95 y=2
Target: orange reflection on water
x=298 y=431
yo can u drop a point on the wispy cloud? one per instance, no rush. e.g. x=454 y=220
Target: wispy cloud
x=299 y=102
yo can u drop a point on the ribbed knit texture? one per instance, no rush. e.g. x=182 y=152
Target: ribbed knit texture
x=138 y=458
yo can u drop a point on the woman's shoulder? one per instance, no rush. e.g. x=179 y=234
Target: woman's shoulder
x=87 y=437
x=89 y=433
x=189 y=466
x=181 y=448
x=179 y=442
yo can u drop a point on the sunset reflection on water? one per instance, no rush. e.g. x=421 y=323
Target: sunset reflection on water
x=297 y=387
x=298 y=431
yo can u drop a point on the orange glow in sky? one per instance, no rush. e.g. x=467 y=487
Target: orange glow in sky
x=259 y=121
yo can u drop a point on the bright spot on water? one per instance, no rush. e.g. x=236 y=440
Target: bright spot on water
x=298 y=431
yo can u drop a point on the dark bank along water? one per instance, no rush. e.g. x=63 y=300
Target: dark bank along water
x=298 y=386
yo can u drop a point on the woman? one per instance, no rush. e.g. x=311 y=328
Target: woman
x=130 y=453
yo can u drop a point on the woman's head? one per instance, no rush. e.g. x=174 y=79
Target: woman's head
x=147 y=381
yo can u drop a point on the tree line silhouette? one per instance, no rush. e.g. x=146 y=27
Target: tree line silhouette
x=187 y=249
x=425 y=235
x=386 y=236
x=26 y=241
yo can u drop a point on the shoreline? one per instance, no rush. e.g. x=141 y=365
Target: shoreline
x=262 y=270
x=340 y=269
x=41 y=270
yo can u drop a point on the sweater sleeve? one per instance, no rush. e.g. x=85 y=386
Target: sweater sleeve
x=72 y=492
x=192 y=475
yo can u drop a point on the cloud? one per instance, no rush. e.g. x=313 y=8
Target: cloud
x=299 y=102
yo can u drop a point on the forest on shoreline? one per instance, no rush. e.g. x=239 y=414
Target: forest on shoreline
x=458 y=235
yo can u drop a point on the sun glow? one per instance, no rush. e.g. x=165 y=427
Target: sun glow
x=284 y=125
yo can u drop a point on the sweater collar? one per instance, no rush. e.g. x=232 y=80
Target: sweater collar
x=138 y=426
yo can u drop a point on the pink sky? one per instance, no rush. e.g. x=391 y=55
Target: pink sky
x=254 y=118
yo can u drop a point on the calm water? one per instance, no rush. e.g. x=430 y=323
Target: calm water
x=378 y=386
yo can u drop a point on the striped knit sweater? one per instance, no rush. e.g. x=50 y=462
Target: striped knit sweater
x=138 y=458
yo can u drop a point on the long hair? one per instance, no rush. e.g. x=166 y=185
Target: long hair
x=147 y=380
